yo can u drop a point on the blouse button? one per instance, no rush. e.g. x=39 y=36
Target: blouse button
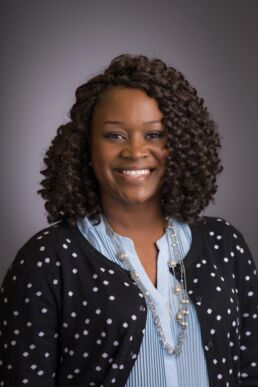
x=210 y=344
x=198 y=299
x=142 y=308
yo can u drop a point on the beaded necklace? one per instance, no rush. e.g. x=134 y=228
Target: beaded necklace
x=180 y=290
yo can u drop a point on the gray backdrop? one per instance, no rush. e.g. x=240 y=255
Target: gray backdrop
x=50 y=47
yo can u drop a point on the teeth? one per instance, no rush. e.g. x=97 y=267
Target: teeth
x=138 y=172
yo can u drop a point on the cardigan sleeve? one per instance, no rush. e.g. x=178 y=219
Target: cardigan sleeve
x=28 y=320
x=248 y=296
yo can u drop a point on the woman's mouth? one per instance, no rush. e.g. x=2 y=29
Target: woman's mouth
x=135 y=173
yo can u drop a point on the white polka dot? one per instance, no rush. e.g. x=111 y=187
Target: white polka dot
x=65 y=246
x=112 y=298
x=212 y=331
x=218 y=288
x=219 y=376
x=85 y=354
x=95 y=289
x=42 y=248
x=218 y=317
x=250 y=294
x=209 y=311
x=133 y=317
x=70 y=293
x=125 y=325
x=74 y=255
x=44 y=310
x=225 y=259
x=109 y=321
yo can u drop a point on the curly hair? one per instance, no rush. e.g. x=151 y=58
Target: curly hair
x=70 y=189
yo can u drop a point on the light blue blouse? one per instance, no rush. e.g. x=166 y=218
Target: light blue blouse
x=154 y=367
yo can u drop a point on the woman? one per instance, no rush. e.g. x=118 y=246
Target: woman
x=132 y=286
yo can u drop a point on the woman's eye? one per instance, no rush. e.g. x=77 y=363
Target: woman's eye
x=156 y=135
x=115 y=136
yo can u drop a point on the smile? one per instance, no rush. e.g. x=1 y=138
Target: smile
x=135 y=172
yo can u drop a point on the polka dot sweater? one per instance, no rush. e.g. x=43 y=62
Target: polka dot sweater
x=69 y=318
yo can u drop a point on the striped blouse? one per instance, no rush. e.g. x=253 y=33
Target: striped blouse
x=154 y=367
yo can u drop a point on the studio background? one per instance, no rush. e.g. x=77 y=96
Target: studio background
x=50 y=47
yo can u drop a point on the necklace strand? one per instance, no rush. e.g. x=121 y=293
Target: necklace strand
x=180 y=290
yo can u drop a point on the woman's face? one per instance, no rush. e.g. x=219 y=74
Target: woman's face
x=128 y=147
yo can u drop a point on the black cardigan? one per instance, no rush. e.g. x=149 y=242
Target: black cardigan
x=68 y=319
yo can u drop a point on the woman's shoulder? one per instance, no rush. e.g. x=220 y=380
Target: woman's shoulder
x=48 y=237
x=53 y=243
x=213 y=224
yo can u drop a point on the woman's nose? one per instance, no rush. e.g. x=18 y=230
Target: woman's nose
x=135 y=150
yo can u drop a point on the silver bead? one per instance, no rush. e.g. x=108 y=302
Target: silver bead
x=177 y=290
x=122 y=256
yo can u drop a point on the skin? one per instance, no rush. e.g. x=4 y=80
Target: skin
x=127 y=134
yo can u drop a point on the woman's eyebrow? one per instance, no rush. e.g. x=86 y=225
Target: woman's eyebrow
x=114 y=122
x=122 y=122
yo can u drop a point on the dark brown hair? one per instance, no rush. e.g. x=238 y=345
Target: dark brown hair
x=70 y=188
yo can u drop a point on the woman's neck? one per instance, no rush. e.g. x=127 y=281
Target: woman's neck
x=134 y=219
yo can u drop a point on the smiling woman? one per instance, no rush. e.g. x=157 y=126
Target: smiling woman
x=125 y=288
x=128 y=149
